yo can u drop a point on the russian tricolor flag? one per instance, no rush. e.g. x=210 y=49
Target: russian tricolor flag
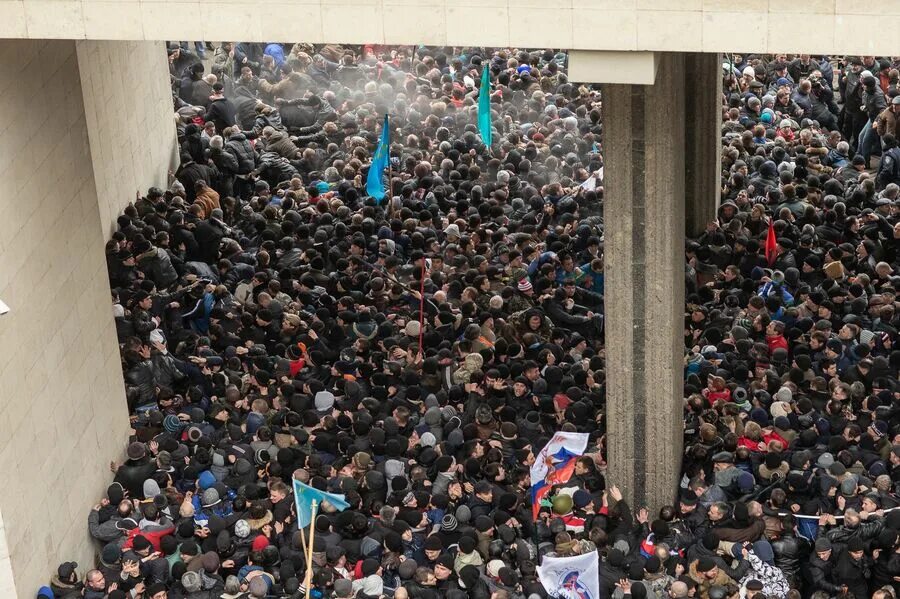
x=554 y=465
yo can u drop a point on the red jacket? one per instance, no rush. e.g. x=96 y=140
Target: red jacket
x=154 y=536
x=776 y=341
x=713 y=396
x=767 y=437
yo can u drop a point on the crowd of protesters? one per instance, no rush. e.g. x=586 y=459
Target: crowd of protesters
x=277 y=323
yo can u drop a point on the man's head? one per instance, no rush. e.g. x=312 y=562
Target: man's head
x=707 y=568
x=95 y=581
x=157 y=591
x=678 y=590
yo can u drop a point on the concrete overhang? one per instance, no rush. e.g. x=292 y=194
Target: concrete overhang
x=597 y=66
x=818 y=26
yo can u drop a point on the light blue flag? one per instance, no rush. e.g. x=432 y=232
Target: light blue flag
x=374 y=180
x=484 y=106
x=304 y=496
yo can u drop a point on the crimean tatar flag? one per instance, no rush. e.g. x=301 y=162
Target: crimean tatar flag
x=484 y=106
x=374 y=180
x=304 y=496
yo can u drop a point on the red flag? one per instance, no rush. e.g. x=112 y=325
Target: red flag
x=771 y=252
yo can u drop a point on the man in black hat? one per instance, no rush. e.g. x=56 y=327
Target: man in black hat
x=852 y=569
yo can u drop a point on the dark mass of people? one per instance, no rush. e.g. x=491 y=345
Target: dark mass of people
x=414 y=354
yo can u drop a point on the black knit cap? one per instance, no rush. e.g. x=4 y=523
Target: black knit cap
x=705 y=564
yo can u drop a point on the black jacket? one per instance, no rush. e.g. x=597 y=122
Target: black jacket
x=854 y=573
x=817 y=574
x=789 y=553
x=222 y=112
x=208 y=235
x=240 y=148
x=191 y=172
x=132 y=474
x=609 y=576
x=157 y=266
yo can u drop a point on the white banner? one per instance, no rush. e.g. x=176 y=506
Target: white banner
x=575 y=577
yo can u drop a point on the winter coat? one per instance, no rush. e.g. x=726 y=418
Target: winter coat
x=208 y=235
x=108 y=531
x=132 y=474
x=751 y=533
x=222 y=112
x=281 y=144
x=141 y=378
x=157 y=266
x=190 y=173
x=790 y=551
x=888 y=122
x=609 y=576
x=817 y=574
x=165 y=370
x=275 y=169
x=200 y=93
x=698 y=550
x=854 y=574
x=289 y=87
x=208 y=200
x=774 y=583
x=244 y=102
x=874 y=102
x=239 y=147
x=704 y=584
x=866 y=531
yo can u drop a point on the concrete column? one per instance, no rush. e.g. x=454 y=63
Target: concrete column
x=702 y=147
x=644 y=248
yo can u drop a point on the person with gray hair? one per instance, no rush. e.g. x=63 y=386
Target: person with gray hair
x=258 y=587
x=232 y=588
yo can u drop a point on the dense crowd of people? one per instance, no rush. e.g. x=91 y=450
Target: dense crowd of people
x=277 y=323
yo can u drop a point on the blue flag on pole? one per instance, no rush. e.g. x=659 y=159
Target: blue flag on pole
x=484 y=106
x=374 y=180
x=304 y=496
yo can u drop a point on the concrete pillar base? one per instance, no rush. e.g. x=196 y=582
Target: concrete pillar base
x=644 y=136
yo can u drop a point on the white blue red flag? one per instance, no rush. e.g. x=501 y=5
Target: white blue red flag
x=555 y=464
x=575 y=577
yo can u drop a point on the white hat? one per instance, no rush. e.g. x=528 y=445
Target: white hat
x=412 y=328
x=494 y=566
x=242 y=529
x=452 y=230
x=324 y=400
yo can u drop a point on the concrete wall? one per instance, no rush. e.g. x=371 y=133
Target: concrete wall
x=840 y=26
x=130 y=120
x=62 y=408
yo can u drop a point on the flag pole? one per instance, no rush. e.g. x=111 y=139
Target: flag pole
x=421 y=310
x=390 y=183
x=309 y=564
x=302 y=538
x=390 y=192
